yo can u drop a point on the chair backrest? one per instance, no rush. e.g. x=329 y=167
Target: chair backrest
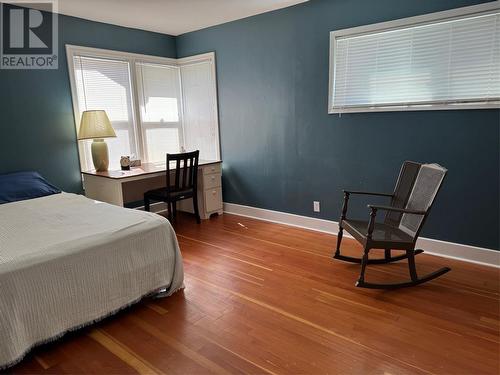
x=427 y=184
x=185 y=174
x=402 y=190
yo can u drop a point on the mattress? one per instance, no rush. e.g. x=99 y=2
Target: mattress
x=67 y=261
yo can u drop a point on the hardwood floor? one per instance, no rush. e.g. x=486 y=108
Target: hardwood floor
x=267 y=298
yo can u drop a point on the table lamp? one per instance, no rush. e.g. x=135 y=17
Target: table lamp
x=96 y=125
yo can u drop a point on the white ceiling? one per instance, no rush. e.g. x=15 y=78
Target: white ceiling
x=172 y=17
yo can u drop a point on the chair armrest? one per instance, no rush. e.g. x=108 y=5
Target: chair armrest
x=347 y=194
x=396 y=209
x=368 y=193
x=373 y=213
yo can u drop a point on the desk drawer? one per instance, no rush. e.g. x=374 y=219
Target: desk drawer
x=212 y=168
x=212 y=180
x=213 y=199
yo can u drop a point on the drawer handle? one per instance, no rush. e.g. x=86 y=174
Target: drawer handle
x=214 y=192
x=213 y=178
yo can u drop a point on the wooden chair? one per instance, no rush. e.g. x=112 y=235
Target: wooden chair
x=183 y=186
x=414 y=194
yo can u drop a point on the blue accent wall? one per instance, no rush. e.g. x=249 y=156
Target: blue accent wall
x=282 y=150
x=36 y=111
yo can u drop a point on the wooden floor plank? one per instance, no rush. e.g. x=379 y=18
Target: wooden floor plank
x=267 y=298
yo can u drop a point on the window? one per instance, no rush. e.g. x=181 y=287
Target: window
x=160 y=102
x=156 y=105
x=445 y=60
x=105 y=84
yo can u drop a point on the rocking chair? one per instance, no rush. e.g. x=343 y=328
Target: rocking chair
x=414 y=194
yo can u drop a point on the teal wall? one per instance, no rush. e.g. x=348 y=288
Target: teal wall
x=281 y=149
x=36 y=111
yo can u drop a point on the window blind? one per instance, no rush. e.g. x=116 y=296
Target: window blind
x=160 y=102
x=446 y=62
x=105 y=84
x=200 y=109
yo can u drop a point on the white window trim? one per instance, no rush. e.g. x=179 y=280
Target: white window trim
x=201 y=58
x=403 y=23
x=133 y=59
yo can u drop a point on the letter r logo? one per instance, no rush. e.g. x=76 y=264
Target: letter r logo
x=18 y=28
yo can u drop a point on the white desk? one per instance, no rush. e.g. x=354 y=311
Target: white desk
x=120 y=187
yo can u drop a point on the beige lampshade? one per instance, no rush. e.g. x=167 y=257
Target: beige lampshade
x=95 y=124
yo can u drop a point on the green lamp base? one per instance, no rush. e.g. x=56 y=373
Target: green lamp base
x=100 y=155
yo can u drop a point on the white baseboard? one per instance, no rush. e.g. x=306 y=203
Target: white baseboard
x=467 y=253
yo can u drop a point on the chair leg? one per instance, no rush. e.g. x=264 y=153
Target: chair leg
x=387 y=254
x=411 y=265
x=146 y=204
x=169 y=211
x=339 y=241
x=174 y=209
x=364 y=262
x=195 y=207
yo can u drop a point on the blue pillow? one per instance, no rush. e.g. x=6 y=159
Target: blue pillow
x=24 y=185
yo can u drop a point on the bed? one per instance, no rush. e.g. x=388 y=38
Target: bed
x=67 y=261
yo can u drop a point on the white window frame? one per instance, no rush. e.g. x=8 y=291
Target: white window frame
x=133 y=59
x=399 y=24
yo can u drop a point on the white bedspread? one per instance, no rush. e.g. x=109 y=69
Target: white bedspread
x=66 y=261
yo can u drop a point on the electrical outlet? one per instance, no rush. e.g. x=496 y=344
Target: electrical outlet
x=316 y=206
